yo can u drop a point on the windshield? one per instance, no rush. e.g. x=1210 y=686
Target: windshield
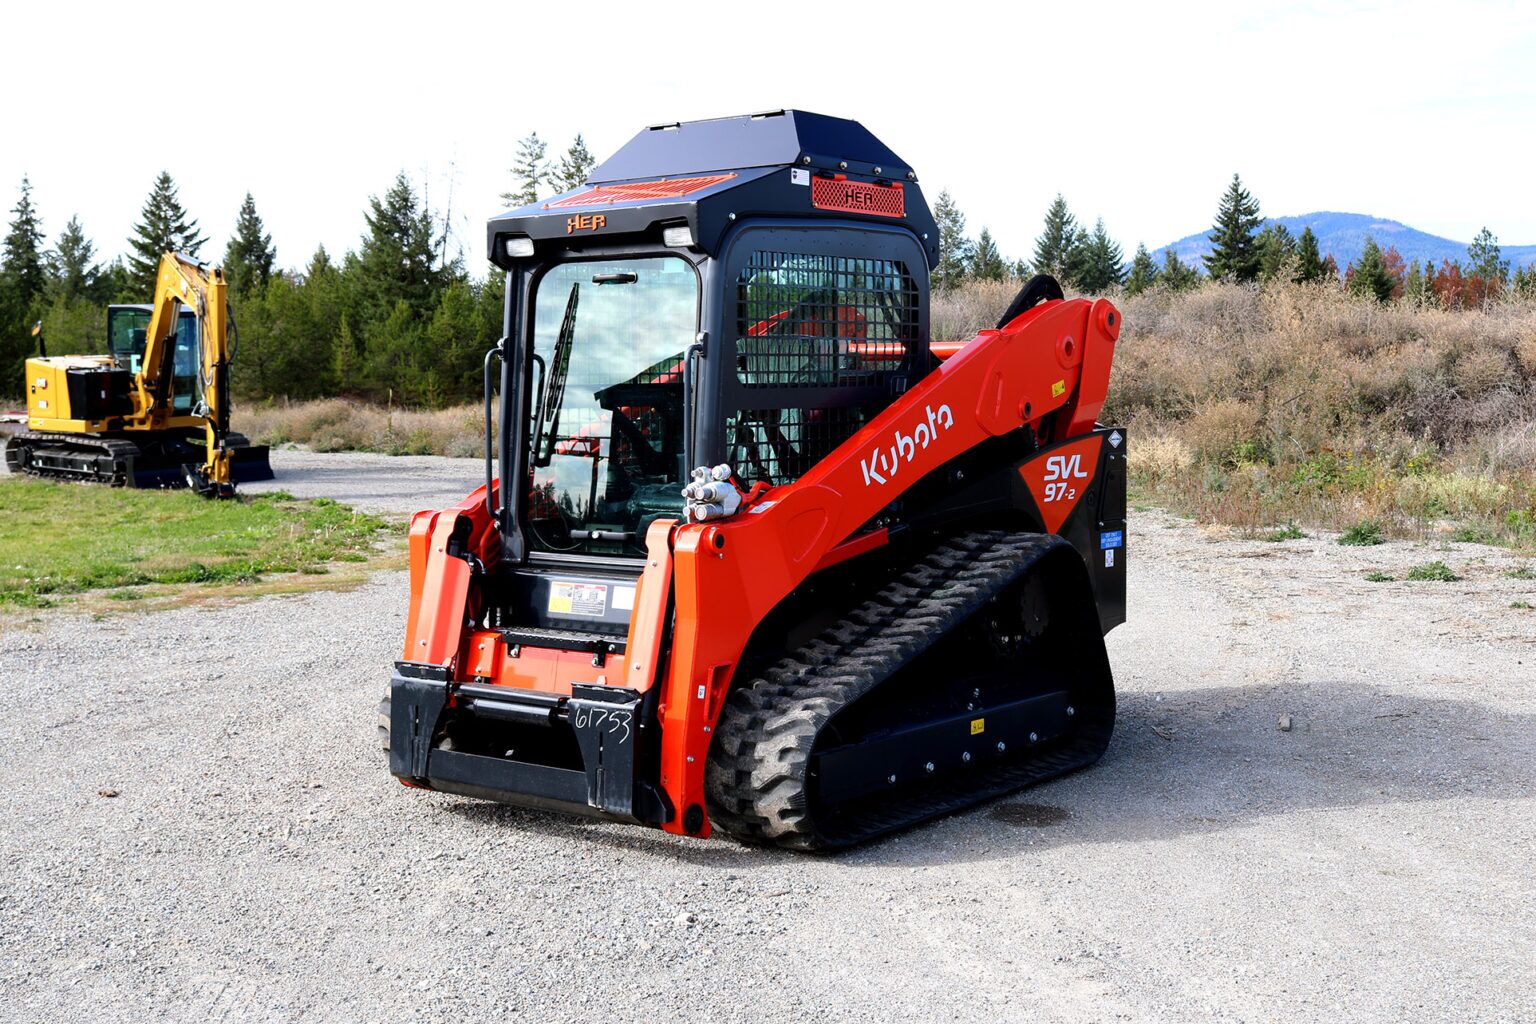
x=606 y=437
x=126 y=329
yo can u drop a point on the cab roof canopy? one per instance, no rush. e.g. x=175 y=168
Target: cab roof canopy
x=783 y=164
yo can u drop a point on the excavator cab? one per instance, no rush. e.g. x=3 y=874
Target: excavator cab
x=732 y=474
x=127 y=334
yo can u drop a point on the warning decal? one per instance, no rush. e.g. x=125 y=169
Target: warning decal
x=590 y=599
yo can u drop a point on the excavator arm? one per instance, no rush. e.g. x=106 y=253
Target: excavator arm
x=182 y=281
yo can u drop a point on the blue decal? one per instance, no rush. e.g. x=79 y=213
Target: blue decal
x=1111 y=539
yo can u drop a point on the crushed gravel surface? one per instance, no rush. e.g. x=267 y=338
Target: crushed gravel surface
x=1318 y=806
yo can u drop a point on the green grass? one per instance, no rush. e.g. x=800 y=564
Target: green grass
x=1434 y=572
x=58 y=539
x=1521 y=572
x=1522 y=605
x=1377 y=576
x=1362 y=535
x=1290 y=531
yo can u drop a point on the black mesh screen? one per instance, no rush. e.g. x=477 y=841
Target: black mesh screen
x=832 y=332
x=822 y=321
x=778 y=445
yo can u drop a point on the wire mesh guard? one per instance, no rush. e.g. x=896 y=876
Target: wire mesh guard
x=816 y=325
x=822 y=321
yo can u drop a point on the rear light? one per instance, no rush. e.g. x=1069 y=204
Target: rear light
x=518 y=246
x=678 y=235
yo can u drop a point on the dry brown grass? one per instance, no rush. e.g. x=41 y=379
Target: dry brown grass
x=1259 y=406
x=339 y=424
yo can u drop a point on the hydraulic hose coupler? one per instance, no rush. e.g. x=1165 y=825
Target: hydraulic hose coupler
x=710 y=494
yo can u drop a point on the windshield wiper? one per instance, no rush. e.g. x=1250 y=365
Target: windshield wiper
x=554 y=385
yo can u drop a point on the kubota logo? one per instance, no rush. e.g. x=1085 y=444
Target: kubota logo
x=883 y=463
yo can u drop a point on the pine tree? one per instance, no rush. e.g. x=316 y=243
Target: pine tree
x=1309 y=262
x=346 y=360
x=1413 y=285
x=165 y=228
x=1054 y=248
x=1234 y=250
x=531 y=171
x=1103 y=261
x=72 y=270
x=1143 y=272
x=987 y=262
x=1177 y=275
x=576 y=163
x=1523 y=282
x=1277 y=252
x=24 y=271
x=249 y=258
x=955 y=250
x=1369 y=276
x=395 y=263
x=1489 y=272
x=1022 y=270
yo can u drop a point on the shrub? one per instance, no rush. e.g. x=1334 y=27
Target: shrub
x=1362 y=535
x=1434 y=572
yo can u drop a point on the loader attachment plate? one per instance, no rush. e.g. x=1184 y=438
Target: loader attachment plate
x=574 y=753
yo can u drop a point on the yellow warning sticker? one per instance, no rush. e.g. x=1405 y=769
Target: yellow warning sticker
x=1058 y=389
x=978 y=726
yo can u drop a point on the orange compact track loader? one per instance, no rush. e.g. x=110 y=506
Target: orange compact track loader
x=754 y=553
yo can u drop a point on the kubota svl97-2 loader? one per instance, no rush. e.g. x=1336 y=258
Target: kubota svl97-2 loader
x=759 y=556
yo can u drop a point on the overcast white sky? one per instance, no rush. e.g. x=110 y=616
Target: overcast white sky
x=1421 y=112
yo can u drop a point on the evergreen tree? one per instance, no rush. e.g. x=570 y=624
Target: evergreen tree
x=23 y=269
x=72 y=270
x=1022 y=270
x=249 y=257
x=574 y=166
x=1525 y=282
x=1143 y=272
x=395 y=265
x=346 y=360
x=1309 y=262
x=955 y=250
x=531 y=171
x=165 y=228
x=987 y=262
x=1176 y=274
x=1370 y=276
x=1054 y=248
x=1485 y=260
x=1414 y=287
x=1103 y=261
x=1234 y=249
x=1277 y=252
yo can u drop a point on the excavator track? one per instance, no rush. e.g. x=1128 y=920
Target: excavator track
x=791 y=764
x=72 y=457
x=122 y=463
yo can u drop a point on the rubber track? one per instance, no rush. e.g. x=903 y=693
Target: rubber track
x=123 y=453
x=755 y=780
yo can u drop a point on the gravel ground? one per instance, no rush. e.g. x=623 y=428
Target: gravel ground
x=1373 y=863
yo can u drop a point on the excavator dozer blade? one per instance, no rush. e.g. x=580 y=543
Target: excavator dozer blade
x=250 y=463
x=977 y=671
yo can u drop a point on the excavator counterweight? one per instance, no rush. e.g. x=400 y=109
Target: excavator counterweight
x=755 y=553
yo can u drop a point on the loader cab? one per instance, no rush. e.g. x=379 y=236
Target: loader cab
x=127 y=334
x=682 y=309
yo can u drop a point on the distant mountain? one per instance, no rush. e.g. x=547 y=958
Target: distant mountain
x=1343 y=235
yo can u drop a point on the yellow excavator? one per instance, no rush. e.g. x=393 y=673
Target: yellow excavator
x=153 y=411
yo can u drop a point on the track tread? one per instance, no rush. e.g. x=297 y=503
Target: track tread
x=756 y=782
